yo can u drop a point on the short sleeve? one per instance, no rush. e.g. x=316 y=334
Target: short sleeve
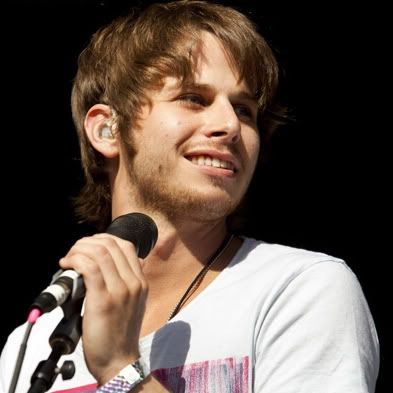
x=318 y=336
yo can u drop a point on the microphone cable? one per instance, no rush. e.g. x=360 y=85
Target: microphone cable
x=34 y=314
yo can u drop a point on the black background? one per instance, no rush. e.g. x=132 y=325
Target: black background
x=324 y=186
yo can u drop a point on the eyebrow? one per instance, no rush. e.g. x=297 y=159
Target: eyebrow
x=243 y=94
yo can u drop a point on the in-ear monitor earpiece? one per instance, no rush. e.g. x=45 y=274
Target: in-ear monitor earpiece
x=106 y=132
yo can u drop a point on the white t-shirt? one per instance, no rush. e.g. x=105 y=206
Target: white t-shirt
x=277 y=319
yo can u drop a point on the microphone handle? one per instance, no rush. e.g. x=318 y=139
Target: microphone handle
x=65 y=283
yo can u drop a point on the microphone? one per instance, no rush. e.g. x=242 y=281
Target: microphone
x=138 y=228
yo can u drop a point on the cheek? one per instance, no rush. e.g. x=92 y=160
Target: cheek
x=252 y=146
x=175 y=133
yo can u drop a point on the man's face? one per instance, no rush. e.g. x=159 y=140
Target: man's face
x=197 y=144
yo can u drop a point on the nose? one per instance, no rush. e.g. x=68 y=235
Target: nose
x=222 y=121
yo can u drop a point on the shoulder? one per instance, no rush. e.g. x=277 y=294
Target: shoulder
x=302 y=281
x=284 y=262
x=283 y=253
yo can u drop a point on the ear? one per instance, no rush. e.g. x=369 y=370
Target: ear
x=99 y=118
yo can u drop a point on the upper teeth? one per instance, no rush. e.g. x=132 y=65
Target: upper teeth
x=209 y=161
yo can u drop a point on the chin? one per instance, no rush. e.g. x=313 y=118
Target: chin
x=206 y=208
x=205 y=202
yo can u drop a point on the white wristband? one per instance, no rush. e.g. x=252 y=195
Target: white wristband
x=128 y=377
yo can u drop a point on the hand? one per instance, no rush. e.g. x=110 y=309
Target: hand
x=116 y=293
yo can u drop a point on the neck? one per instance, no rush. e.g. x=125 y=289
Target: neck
x=182 y=250
x=182 y=237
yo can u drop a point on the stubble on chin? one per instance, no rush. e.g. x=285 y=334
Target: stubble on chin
x=188 y=203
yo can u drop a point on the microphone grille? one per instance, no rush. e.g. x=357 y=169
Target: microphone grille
x=138 y=228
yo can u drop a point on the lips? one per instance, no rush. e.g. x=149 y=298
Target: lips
x=214 y=159
x=205 y=160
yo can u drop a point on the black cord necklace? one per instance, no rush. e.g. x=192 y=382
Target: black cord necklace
x=198 y=278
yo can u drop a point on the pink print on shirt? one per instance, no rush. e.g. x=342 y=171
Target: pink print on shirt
x=222 y=376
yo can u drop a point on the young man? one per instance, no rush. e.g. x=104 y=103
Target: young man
x=170 y=107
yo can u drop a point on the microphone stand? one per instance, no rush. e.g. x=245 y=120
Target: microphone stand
x=63 y=341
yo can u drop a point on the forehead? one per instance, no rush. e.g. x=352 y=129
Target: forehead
x=211 y=66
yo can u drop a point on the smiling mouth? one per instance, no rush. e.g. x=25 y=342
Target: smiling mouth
x=204 y=160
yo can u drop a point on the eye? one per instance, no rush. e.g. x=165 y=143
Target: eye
x=243 y=112
x=193 y=100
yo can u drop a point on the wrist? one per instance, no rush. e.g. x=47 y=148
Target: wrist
x=129 y=377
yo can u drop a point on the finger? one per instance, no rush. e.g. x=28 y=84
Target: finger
x=103 y=253
x=88 y=269
x=125 y=257
x=107 y=252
